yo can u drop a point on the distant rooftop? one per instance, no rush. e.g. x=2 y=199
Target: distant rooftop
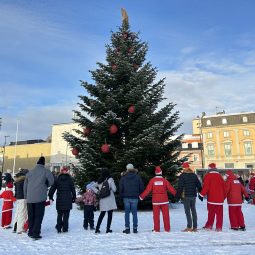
x=27 y=142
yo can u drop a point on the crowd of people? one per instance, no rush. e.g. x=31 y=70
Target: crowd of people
x=32 y=188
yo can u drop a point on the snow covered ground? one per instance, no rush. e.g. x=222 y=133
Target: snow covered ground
x=79 y=242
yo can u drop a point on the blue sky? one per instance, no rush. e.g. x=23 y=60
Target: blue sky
x=205 y=49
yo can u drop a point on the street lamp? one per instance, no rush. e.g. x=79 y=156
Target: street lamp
x=202 y=140
x=4 y=151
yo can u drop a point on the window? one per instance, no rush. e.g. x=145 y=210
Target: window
x=246 y=132
x=247 y=148
x=185 y=146
x=229 y=165
x=245 y=119
x=195 y=157
x=249 y=166
x=208 y=123
x=189 y=145
x=210 y=149
x=195 y=145
x=209 y=135
x=224 y=121
x=227 y=149
x=225 y=134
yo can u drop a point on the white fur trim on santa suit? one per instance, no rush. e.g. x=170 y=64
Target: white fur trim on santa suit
x=163 y=203
x=7 y=210
x=213 y=172
x=212 y=203
x=234 y=204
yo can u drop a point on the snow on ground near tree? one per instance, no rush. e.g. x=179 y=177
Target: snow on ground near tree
x=79 y=242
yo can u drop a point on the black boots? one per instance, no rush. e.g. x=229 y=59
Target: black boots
x=126 y=231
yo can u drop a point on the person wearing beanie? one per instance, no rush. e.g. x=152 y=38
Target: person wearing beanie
x=130 y=187
x=159 y=186
x=234 y=193
x=8 y=198
x=8 y=176
x=66 y=195
x=35 y=192
x=214 y=189
x=90 y=204
x=188 y=186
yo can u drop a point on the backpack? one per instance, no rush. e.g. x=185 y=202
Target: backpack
x=105 y=190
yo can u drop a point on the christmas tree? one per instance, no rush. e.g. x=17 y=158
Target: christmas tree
x=120 y=117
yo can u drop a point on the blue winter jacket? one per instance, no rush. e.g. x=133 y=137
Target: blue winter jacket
x=131 y=185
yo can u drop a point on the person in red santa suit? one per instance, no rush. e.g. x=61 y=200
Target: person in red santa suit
x=159 y=186
x=8 y=198
x=234 y=193
x=252 y=187
x=214 y=189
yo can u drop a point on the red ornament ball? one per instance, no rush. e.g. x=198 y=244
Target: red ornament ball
x=105 y=148
x=86 y=131
x=130 y=50
x=131 y=109
x=113 y=129
x=125 y=35
x=114 y=67
x=75 y=151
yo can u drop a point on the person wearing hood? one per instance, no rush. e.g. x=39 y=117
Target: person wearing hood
x=214 y=189
x=159 y=186
x=66 y=195
x=130 y=186
x=35 y=192
x=21 y=205
x=189 y=185
x=234 y=193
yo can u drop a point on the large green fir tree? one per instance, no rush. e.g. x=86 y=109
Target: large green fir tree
x=120 y=117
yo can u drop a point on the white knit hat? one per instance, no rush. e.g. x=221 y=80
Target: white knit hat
x=129 y=167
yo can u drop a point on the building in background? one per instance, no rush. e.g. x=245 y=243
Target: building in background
x=192 y=150
x=228 y=139
x=61 y=154
x=27 y=153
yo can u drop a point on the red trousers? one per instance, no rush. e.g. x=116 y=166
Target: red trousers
x=236 y=216
x=214 y=210
x=6 y=218
x=156 y=217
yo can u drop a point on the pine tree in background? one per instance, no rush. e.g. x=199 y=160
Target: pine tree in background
x=120 y=117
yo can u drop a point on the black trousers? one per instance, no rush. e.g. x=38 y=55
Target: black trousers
x=88 y=216
x=62 y=220
x=35 y=217
x=109 y=219
x=190 y=208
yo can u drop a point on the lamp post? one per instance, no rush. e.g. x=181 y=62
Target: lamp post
x=202 y=140
x=4 y=151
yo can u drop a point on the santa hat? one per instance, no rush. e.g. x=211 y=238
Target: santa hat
x=64 y=170
x=9 y=185
x=212 y=166
x=229 y=173
x=185 y=165
x=158 y=170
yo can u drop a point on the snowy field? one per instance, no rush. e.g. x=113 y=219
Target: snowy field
x=80 y=242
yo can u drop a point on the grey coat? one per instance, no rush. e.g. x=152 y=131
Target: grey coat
x=36 y=184
x=108 y=203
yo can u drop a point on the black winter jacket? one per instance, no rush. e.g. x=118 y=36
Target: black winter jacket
x=66 y=194
x=131 y=185
x=189 y=184
x=18 y=186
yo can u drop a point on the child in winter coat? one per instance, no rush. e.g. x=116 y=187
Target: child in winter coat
x=90 y=203
x=159 y=187
x=234 y=193
x=8 y=198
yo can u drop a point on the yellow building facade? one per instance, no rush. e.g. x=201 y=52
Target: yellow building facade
x=26 y=155
x=228 y=139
